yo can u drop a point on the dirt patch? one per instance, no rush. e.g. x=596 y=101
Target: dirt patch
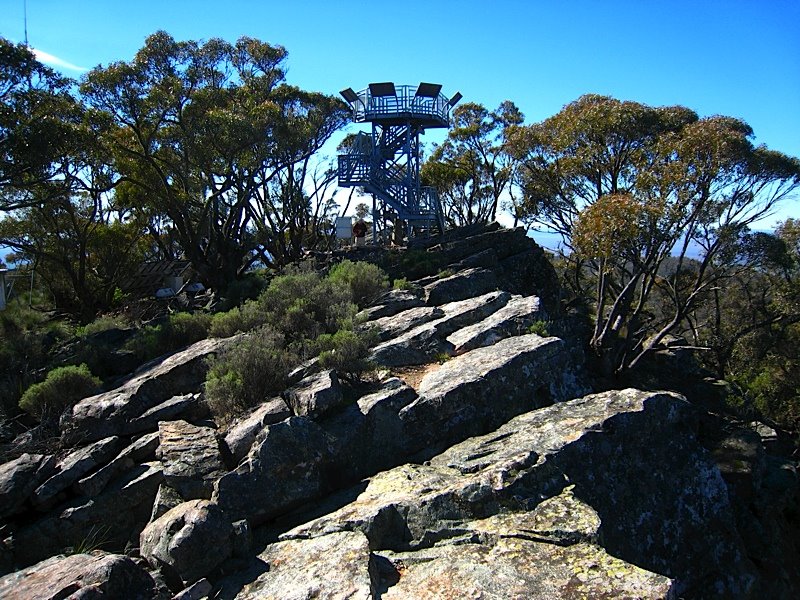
x=412 y=376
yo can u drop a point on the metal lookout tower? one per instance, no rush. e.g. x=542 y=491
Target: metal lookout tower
x=386 y=164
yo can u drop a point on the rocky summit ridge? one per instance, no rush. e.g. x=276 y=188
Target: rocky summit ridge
x=479 y=464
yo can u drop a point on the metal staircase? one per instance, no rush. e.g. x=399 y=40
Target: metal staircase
x=386 y=164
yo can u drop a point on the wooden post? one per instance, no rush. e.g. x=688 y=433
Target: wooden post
x=3 y=289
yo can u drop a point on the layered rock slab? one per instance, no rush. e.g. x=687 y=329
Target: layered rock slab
x=95 y=575
x=457 y=401
x=660 y=518
x=336 y=567
x=477 y=391
x=191 y=458
x=116 y=412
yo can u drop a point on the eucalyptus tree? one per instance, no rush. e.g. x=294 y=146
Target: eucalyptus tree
x=56 y=187
x=472 y=168
x=210 y=139
x=632 y=189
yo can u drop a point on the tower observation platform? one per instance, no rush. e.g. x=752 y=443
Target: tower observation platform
x=386 y=163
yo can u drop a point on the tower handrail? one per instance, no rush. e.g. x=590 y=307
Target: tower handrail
x=405 y=102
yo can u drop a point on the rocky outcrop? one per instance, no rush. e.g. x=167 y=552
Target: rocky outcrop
x=474 y=462
x=425 y=342
x=192 y=540
x=315 y=395
x=114 y=518
x=18 y=480
x=94 y=575
x=190 y=457
x=242 y=434
x=337 y=566
x=294 y=452
x=73 y=467
x=120 y=411
x=600 y=448
x=512 y=319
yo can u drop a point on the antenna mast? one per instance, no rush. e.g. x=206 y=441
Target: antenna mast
x=25 y=19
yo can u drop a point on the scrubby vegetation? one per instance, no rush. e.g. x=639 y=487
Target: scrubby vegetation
x=61 y=388
x=301 y=315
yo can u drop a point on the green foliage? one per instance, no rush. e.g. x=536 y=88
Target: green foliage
x=627 y=185
x=178 y=331
x=104 y=323
x=443 y=357
x=249 y=373
x=401 y=284
x=366 y=281
x=97 y=537
x=62 y=388
x=539 y=328
x=415 y=264
x=26 y=337
x=237 y=320
x=473 y=167
x=346 y=351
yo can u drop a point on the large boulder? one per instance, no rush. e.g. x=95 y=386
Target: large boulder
x=425 y=342
x=74 y=466
x=369 y=434
x=511 y=320
x=191 y=458
x=391 y=303
x=115 y=412
x=468 y=283
x=285 y=468
x=395 y=325
x=85 y=576
x=337 y=567
x=605 y=446
x=137 y=452
x=315 y=395
x=18 y=479
x=241 y=434
x=478 y=391
x=113 y=519
x=192 y=539
x=521 y=555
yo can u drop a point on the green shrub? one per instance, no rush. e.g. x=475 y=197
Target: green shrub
x=248 y=373
x=346 y=351
x=540 y=328
x=61 y=388
x=27 y=337
x=401 y=284
x=180 y=330
x=302 y=305
x=366 y=281
x=237 y=320
x=102 y=324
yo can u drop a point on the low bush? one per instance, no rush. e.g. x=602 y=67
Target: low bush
x=178 y=331
x=101 y=324
x=346 y=351
x=540 y=328
x=62 y=388
x=302 y=305
x=248 y=373
x=366 y=281
x=237 y=320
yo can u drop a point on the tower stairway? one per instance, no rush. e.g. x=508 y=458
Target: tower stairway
x=386 y=163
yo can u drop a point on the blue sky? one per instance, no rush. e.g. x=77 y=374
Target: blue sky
x=738 y=58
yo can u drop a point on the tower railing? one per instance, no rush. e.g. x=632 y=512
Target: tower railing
x=404 y=103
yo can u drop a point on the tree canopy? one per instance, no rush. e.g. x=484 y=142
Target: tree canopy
x=192 y=149
x=627 y=186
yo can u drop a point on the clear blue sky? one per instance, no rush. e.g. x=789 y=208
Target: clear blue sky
x=733 y=57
